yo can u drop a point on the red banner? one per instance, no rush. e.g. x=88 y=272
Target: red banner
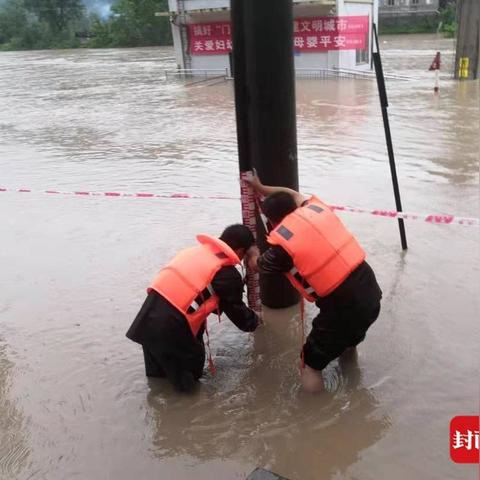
x=321 y=34
x=210 y=38
x=314 y=34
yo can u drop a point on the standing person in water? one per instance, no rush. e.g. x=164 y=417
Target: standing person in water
x=324 y=262
x=199 y=281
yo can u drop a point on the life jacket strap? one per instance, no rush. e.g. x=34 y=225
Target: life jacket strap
x=305 y=285
x=201 y=298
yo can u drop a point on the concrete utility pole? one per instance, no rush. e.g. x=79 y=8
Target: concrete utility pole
x=467 y=59
x=265 y=106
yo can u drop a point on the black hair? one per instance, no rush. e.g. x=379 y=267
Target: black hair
x=237 y=236
x=278 y=205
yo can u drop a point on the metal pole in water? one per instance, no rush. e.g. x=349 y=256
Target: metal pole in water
x=265 y=106
x=245 y=164
x=377 y=61
x=467 y=58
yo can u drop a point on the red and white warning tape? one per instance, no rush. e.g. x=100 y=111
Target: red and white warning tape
x=425 y=217
x=84 y=193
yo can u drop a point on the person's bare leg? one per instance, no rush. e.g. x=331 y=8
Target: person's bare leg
x=350 y=369
x=312 y=380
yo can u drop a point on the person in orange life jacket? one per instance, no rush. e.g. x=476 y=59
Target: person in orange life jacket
x=198 y=281
x=324 y=262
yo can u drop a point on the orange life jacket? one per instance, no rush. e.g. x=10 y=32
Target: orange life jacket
x=186 y=281
x=323 y=251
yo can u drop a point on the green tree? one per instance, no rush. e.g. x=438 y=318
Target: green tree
x=57 y=13
x=21 y=30
x=133 y=24
x=39 y=24
x=101 y=34
x=22 y=27
x=13 y=19
x=448 y=17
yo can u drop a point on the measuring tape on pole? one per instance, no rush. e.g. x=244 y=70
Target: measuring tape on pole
x=249 y=215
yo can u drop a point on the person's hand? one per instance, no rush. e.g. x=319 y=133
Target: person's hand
x=252 y=263
x=254 y=181
x=260 y=319
x=252 y=255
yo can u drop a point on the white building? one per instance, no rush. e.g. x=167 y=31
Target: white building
x=327 y=33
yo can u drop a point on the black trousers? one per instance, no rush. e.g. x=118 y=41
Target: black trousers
x=182 y=371
x=344 y=318
x=169 y=348
x=335 y=330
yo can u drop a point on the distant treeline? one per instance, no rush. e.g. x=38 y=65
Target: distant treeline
x=42 y=24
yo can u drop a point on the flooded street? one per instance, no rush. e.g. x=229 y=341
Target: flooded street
x=74 y=400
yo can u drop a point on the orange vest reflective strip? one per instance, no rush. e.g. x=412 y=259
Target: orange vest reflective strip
x=323 y=251
x=186 y=281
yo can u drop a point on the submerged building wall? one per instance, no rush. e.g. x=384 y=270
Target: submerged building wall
x=327 y=34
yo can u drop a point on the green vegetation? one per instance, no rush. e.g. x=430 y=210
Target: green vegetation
x=426 y=24
x=41 y=24
x=133 y=24
x=444 y=22
x=448 y=19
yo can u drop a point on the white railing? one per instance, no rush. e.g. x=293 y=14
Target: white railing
x=331 y=72
x=371 y=73
x=219 y=73
x=197 y=72
x=345 y=73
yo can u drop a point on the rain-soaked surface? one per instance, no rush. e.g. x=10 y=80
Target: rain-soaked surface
x=74 y=401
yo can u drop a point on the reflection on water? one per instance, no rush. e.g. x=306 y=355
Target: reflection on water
x=263 y=414
x=73 y=271
x=14 y=450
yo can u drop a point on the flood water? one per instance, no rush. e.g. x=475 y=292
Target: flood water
x=74 y=401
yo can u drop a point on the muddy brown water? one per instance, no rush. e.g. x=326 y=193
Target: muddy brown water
x=74 y=401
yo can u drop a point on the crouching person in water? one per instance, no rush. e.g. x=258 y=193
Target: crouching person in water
x=198 y=281
x=324 y=262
